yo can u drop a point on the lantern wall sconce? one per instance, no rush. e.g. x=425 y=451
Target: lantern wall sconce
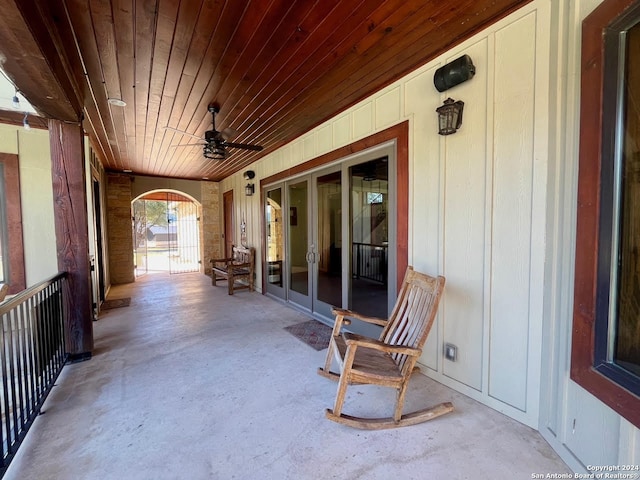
x=450 y=116
x=250 y=188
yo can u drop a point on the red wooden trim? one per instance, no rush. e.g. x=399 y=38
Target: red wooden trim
x=17 y=278
x=584 y=310
x=70 y=210
x=399 y=133
x=229 y=221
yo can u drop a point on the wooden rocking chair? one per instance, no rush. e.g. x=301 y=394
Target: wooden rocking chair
x=390 y=360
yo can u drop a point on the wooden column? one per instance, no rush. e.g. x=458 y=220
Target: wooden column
x=70 y=209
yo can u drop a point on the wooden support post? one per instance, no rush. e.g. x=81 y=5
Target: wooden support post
x=70 y=209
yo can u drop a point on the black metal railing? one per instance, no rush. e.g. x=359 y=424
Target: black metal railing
x=370 y=262
x=32 y=354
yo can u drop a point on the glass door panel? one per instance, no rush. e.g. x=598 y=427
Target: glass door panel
x=328 y=260
x=274 y=221
x=369 y=198
x=298 y=265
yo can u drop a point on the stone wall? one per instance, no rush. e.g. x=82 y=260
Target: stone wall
x=121 y=268
x=211 y=232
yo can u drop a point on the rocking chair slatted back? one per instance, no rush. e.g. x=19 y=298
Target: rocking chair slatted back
x=413 y=314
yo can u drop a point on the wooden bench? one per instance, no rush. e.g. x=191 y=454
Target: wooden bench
x=238 y=268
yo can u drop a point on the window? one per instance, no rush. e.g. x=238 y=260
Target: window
x=606 y=324
x=11 y=246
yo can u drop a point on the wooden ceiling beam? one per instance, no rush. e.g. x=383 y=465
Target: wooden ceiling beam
x=29 y=51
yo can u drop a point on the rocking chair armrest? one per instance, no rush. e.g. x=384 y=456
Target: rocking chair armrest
x=365 y=318
x=366 y=342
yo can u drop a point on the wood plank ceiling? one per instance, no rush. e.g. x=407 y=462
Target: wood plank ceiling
x=275 y=68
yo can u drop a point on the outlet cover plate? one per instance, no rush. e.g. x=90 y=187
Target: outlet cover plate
x=450 y=352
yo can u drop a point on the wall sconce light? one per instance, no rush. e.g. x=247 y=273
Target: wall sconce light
x=450 y=116
x=16 y=102
x=250 y=188
x=25 y=122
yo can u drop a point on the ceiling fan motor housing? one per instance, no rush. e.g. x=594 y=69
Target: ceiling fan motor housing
x=210 y=136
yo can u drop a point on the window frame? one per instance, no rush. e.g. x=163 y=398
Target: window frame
x=590 y=366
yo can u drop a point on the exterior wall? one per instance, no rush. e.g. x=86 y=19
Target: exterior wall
x=211 y=231
x=119 y=231
x=493 y=209
x=36 y=192
x=580 y=427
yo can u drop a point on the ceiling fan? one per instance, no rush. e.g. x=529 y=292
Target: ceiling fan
x=215 y=143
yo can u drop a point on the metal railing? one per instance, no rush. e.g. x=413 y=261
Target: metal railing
x=370 y=262
x=32 y=354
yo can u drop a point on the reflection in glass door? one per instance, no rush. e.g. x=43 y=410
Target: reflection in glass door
x=298 y=244
x=369 y=198
x=274 y=221
x=328 y=238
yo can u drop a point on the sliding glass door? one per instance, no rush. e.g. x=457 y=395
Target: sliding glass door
x=330 y=237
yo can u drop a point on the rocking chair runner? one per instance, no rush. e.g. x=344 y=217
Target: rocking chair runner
x=390 y=360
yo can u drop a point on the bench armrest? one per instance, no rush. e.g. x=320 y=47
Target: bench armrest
x=220 y=260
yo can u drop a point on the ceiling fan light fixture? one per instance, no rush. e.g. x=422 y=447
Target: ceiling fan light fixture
x=117 y=102
x=214 y=152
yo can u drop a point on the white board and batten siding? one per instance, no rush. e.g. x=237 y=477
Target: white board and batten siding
x=484 y=229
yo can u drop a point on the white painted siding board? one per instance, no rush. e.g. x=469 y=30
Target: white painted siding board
x=309 y=146
x=362 y=121
x=325 y=139
x=539 y=201
x=464 y=229
x=36 y=194
x=388 y=108
x=296 y=153
x=425 y=200
x=342 y=130
x=8 y=139
x=593 y=429
x=629 y=444
x=511 y=238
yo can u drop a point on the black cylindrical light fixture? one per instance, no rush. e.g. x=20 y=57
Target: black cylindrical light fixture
x=454 y=73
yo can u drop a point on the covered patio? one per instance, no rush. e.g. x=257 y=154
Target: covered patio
x=189 y=382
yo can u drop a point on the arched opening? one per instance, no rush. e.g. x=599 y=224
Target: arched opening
x=166 y=232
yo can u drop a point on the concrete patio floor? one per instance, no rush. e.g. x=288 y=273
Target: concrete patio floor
x=191 y=383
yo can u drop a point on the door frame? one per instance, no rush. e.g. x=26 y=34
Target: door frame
x=228 y=221
x=399 y=135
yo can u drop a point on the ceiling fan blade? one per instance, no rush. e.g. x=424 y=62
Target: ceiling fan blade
x=189 y=145
x=244 y=146
x=228 y=134
x=183 y=132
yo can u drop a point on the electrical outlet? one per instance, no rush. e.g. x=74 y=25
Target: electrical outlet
x=450 y=352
